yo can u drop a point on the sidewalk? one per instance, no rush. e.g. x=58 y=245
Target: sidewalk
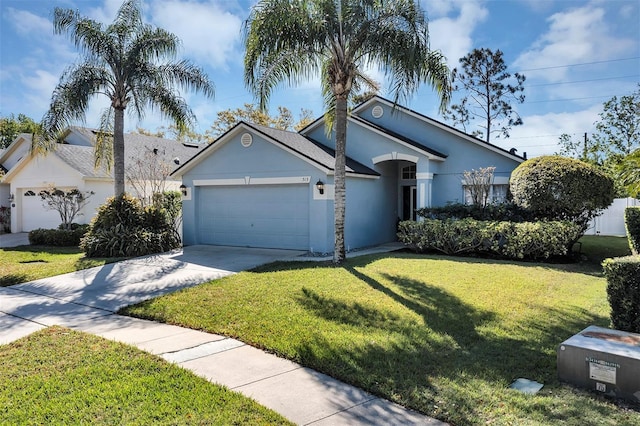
x=86 y=301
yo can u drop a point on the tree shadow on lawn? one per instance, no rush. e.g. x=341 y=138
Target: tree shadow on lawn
x=584 y=266
x=413 y=360
x=12 y=279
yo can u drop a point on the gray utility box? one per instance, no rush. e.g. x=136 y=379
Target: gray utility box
x=603 y=360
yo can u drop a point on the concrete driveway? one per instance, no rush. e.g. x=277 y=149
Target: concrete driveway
x=14 y=240
x=76 y=297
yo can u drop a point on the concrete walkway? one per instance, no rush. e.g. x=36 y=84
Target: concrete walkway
x=87 y=301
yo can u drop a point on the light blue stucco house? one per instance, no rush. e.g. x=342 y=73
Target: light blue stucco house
x=260 y=187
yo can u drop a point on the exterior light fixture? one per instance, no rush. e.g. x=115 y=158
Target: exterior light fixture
x=320 y=186
x=11 y=197
x=183 y=190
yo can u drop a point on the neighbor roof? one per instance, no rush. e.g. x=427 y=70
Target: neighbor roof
x=82 y=158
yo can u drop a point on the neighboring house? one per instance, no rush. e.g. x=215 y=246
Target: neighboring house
x=70 y=166
x=260 y=187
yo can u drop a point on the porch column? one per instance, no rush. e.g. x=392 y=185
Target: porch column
x=424 y=180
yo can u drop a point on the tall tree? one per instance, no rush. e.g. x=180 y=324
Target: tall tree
x=584 y=149
x=618 y=130
x=489 y=91
x=253 y=114
x=11 y=126
x=123 y=61
x=290 y=41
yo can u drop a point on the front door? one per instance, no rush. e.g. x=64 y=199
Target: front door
x=409 y=196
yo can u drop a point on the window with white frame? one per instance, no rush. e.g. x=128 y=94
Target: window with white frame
x=497 y=192
x=409 y=172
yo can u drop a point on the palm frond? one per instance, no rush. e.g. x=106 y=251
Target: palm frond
x=103 y=150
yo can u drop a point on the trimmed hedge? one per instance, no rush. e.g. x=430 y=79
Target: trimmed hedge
x=623 y=292
x=502 y=212
x=526 y=240
x=632 y=225
x=58 y=237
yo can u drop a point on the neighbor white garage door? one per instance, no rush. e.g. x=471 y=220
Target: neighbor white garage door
x=34 y=215
x=269 y=216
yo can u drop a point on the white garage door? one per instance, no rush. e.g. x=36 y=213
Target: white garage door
x=34 y=214
x=269 y=216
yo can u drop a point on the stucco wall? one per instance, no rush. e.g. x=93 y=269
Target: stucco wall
x=260 y=160
x=461 y=154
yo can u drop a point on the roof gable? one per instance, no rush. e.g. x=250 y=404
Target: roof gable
x=296 y=144
x=78 y=152
x=15 y=151
x=435 y=123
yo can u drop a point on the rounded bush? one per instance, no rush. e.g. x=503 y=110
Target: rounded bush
x=560 y=188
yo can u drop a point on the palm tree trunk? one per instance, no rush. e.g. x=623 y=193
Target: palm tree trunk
x=118 y=153
x=339 y=179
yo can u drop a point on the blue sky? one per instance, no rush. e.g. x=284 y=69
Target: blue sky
x=575 y=54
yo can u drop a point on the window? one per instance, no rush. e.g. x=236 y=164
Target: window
x=29 y=193
x=409 y=172
x=497 y=194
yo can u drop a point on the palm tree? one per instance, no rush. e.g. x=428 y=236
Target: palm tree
x=124 y=62
x=628 y=171
x=289 y=41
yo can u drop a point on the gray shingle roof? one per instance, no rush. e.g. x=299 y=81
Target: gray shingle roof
x=311 y=149
x=82 y=158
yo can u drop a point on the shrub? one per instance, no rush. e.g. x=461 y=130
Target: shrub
x=632 y=225
x=123 y=228
x=58 y=237
x=501 y=212
x=526 y=240
x=559 y=188
x=5 y=219
x=623 y=292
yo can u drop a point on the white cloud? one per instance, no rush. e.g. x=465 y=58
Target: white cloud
x=452 y=35
x=574 y=36
x=27 y=23
x=540 y=133
x=208 y=32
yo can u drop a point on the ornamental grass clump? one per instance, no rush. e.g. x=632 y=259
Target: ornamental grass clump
x=122 y=228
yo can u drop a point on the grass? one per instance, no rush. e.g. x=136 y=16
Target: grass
x=59 y=376
x=27 y=263
x=442 y=335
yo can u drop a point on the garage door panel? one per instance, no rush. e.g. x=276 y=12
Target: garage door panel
x=35 y=215
x=255 y=216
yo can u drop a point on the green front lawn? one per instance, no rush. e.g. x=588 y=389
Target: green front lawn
x=443 y=335
x=58 y=376
x=28 y=263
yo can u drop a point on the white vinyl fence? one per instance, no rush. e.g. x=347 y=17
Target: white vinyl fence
x=611 y=222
